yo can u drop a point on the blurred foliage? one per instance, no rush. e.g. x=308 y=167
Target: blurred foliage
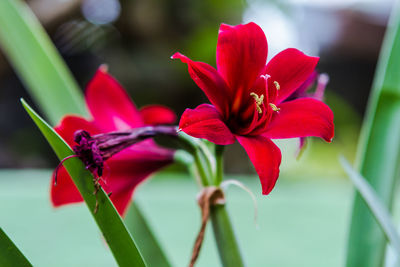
x=378 y=151
x=137 y=47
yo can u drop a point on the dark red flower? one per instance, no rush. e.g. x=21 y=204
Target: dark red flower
x=112 y=110
x=248 y=99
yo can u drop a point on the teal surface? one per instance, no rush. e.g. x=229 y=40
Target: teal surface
x=303 y=222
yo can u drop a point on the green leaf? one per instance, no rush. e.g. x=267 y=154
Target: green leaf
x=10 y=255
x=107 y=218
x=150 y=248
x=36 y=61
x=378 y=151
x=379 y=210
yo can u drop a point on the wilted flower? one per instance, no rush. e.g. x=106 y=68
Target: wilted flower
x=112 y=110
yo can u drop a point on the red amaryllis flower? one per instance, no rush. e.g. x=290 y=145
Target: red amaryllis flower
x=248 y=99
x=112 y=110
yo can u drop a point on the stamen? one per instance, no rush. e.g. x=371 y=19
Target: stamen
x=259 y=101
x=278 y=87
x=274 y=107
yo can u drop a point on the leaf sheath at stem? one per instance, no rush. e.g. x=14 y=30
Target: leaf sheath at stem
x=225 y=238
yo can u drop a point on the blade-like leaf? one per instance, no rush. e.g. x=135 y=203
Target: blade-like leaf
x=379 y=210
x=36 y=61
x=10 y=255
x=139 y=228
x=378 y=151
x=107 y=218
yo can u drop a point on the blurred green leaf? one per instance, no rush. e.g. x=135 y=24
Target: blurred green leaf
x=379 y=210
x=36 y=61
x=10 y=255
x=378 y=151
x=137 y=226
x=107 y=218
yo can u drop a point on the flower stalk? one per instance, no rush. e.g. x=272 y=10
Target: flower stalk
x=224 y=235
x=219 y=152
x=225 y=238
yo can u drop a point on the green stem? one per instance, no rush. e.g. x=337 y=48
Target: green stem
x=225 y=237
x=223 y=232
x=219 y=153
x=200 y=162
x=192 y=145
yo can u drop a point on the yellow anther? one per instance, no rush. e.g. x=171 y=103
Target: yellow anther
x=278 y=87
x=259 y=101
x=259 y=110
x=274 y=108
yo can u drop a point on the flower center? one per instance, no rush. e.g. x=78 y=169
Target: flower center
x=259 y=101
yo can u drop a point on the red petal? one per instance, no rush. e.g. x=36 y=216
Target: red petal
x=110 y=105
x=157 y=114
x=205 y=122
x=301 y=118
x=65 y=191
x=70 y=124
x=266 y=158
x=241 y=55
x=129 y=168
x=290 y=68
x=209 y=80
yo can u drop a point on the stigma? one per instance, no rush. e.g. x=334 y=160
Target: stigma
x=259 y=101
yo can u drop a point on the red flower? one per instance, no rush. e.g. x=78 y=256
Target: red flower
x=248 y=99
x=112 y=110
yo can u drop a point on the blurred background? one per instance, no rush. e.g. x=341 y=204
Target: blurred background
x=137 y=38
x=307 y=215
